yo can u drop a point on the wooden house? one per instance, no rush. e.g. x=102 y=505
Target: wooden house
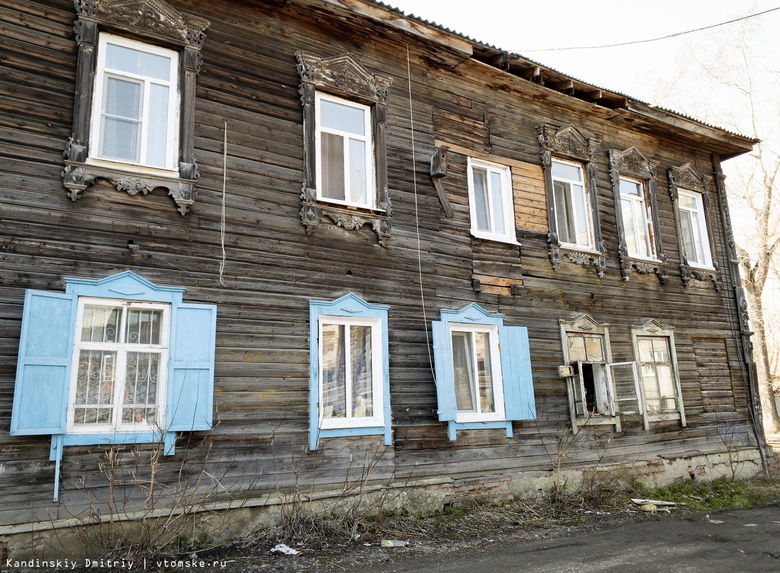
x=284 y=242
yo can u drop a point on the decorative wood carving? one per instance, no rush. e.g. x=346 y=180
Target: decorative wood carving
x=345 y=76
x=569 y=143
x=153 y=20
x=632 y=163
x=686 y=177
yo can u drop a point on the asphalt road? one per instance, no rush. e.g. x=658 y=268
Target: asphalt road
x=748 y=541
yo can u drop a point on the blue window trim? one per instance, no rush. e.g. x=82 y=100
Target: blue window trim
x=517 y=380
x=351 y=306
x=121 y=286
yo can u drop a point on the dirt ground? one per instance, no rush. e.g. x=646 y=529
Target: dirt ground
x=747 y=540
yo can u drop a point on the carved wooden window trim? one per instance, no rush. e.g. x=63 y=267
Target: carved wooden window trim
x=158 y=23
x=568 y=143
x=686 y=178
x=653 y=329
x=344 y=77
x=631 y=163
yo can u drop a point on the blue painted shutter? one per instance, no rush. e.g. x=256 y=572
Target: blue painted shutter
x=190 y=399
x=445 y=377
x=519 y=401
x=42 y=372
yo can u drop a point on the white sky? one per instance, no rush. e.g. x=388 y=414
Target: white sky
x=524 y=27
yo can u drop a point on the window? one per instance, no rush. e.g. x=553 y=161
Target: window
x=350 y=391
x=135 y=111
x=637 y=226
x=118 y=377
x=95 y=369
x=659 y=380
x=571 y=205
x=490 y=201
x=694 y=229
x=570 y=176
x=600 y=391
x=345 y=158
x=634 y=188
x=344 y=152
x=483 y=371
x=688 y=189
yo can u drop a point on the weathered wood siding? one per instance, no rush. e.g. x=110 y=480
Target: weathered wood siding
x=250 y=85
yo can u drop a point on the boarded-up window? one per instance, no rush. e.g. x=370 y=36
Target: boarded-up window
x=712 y=364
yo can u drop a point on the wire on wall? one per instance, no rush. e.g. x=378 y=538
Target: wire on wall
x=417 y=214
x=222 y=220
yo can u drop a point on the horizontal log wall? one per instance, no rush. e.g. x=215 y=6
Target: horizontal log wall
x=249 y=83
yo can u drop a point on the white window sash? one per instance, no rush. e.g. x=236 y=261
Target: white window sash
x=696 y=216
x=350 y=421
x=495 y=366
x=103 y=73
x=572 y=213
x=122 y=348
x=347 y=136
x=507 y=204
x=642 y=219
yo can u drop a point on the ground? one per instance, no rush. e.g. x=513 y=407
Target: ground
x=608 y=533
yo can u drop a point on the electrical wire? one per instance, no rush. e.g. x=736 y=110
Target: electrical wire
x=667 y=37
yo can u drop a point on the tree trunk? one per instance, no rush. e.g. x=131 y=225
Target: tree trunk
x=761 y=358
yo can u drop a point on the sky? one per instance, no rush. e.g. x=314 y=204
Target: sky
x=534 y=29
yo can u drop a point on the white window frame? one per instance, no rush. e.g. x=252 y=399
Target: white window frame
x=101 y=77
x=654 y=329
x=377 y=360
x=370 y=167
x=641 y=216
x=585 y=203
x=495 y=374
x=702 y=230
x=507 y=203
x=121 y=348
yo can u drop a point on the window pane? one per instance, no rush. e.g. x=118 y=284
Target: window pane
x=100 y=323
x=594 y=349
x=650 y=385
x=126 y=59
x=157 y=138
x=332 y=167
x=342 y=117
x=143 y=326
x=497 y=203
x=119 y=139
x=630 y=188
x=563 y=212
x=463 y=368
x=122 y=98
x=627 y=213
x=481 y=199
x=142 y=373
x=95 y=387
x=687 y=201
x=577 y=349
x=333 y=370
x=666 y=386
x=362 y=385
x=661 y=350
x=485 y=369
x=690 y=237
x=358 y=176
x=645 y=349
x=580 y=214
x=566 y=171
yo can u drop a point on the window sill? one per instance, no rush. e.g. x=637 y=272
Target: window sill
x=663 y=417
x=453 y=427
x=79 y=176
x=495 y=238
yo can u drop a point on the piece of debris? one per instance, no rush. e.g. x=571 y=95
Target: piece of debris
x=656 y=502
x=714 y=521
x=394 y=543
x=750 y=525
x=285 y=550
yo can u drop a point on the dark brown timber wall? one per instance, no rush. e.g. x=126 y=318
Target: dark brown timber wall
x=273 y=268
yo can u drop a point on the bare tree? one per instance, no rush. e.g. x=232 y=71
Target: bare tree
x=735 y=86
